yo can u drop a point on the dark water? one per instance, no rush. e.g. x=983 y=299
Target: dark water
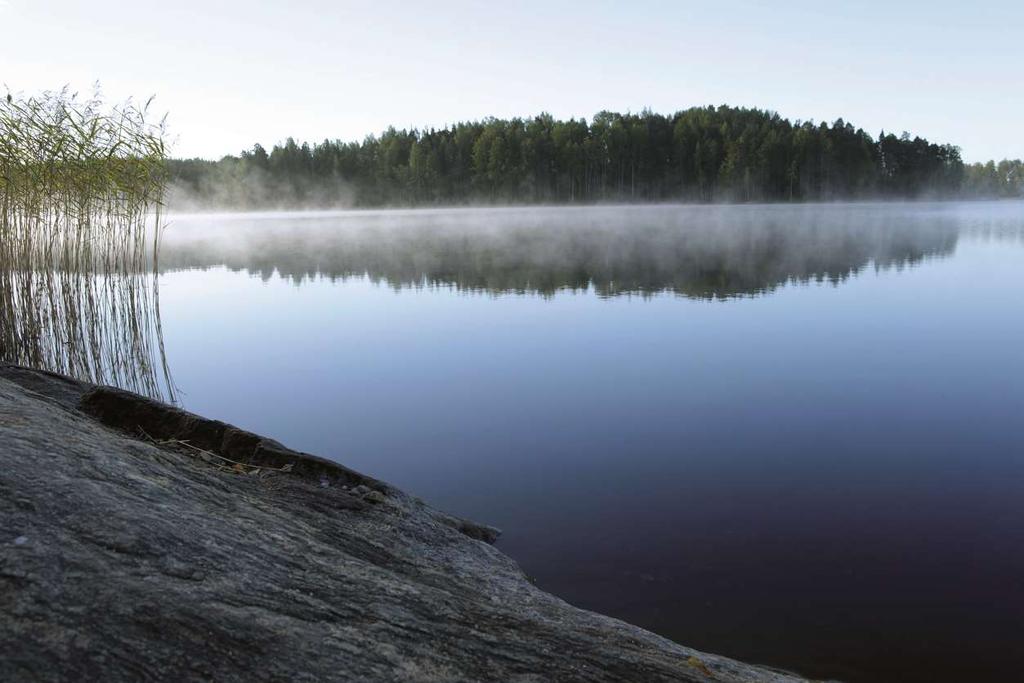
x=790 y=435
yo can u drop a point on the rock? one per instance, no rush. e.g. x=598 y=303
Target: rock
x=375 y=497
x=149 y=563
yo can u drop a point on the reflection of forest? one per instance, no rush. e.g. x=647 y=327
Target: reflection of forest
x=701 y=253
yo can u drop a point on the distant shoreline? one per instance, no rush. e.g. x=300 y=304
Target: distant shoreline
x=702 y=154
x=290 y=211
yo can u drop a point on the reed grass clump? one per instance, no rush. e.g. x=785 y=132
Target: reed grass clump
x=81 y=196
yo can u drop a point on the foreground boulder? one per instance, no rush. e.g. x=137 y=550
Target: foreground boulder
x=140 y=542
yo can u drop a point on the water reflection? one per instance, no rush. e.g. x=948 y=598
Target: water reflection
x=823 y=479
x=93 y=318
x=697 y=252
x=98 y=318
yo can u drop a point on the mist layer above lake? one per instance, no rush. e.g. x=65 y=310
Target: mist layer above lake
x=786 y=434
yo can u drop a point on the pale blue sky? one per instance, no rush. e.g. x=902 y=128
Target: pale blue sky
x=232 y=72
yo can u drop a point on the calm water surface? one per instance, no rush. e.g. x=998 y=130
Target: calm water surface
x=790 y=435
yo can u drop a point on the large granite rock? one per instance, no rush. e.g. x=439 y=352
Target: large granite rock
x=140 y=542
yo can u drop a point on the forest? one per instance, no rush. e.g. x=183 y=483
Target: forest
x=703 y=154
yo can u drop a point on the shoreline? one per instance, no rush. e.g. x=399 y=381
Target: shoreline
x=149 y=542
x=260 y=212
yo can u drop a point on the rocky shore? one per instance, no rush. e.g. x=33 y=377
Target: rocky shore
x=141 y=542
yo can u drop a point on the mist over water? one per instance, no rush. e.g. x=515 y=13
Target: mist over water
x=699 y=252
x=789 y=434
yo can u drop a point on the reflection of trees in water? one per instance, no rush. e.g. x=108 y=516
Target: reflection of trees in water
x=701 y=253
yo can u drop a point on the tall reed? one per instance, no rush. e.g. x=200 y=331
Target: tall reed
x=81 y=195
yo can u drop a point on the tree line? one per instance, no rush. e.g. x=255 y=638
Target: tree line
x=703 y=154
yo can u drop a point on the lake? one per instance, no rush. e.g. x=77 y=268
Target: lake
x=791 y=435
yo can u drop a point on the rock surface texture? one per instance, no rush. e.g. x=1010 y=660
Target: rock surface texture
x=140 y=542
